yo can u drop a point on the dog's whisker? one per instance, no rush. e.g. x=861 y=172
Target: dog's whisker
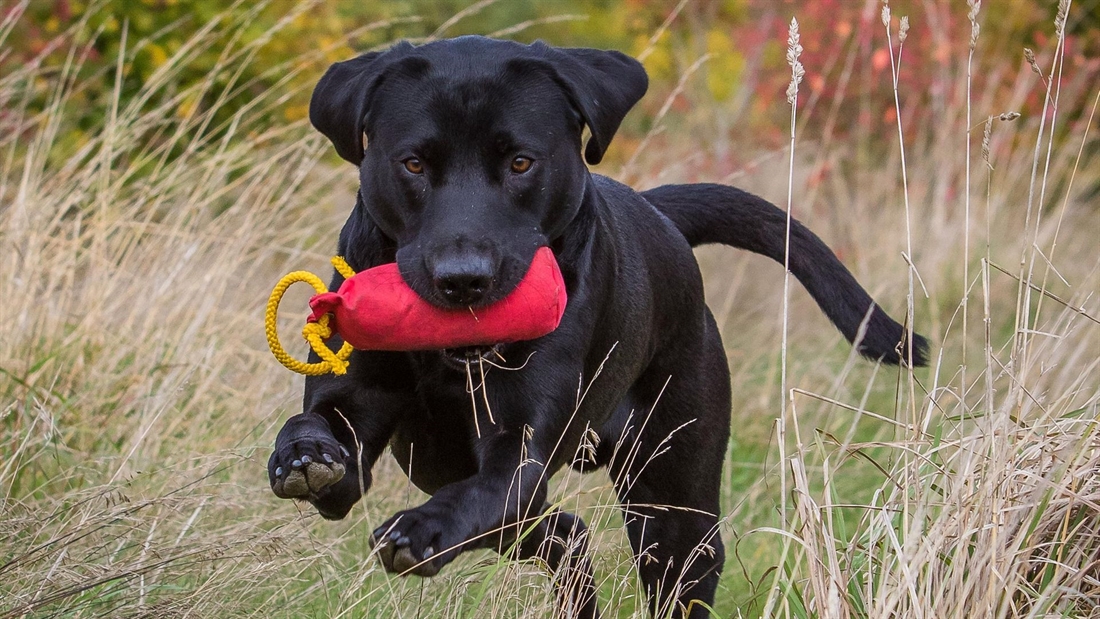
x=473 y=399
x=508 y=369
x=485 y=390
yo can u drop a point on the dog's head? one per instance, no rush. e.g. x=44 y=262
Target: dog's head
x=469 y=151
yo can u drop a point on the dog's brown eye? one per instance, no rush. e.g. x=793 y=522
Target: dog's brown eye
x=521 y=165
x=414 y=166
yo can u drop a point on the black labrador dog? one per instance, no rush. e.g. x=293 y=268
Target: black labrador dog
x=469 y=157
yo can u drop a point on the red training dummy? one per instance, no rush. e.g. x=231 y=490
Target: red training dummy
x=376 y=310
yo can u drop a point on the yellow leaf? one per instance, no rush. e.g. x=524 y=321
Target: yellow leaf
x=659 y=62
x=295 y=112
x=157 y=55
x=187 y=107
x=725 y=66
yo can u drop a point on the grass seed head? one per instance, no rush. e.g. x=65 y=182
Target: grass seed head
x=794 y=50
x=1060 y=19
x=975 y=28
x=1029 y=56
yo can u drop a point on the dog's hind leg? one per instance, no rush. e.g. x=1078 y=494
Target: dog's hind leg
x=560 y=540
x=667 y=470
x=677 y=547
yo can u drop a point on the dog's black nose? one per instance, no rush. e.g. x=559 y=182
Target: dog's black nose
x=463 y=282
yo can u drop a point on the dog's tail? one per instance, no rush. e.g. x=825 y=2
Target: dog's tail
x=707 y=213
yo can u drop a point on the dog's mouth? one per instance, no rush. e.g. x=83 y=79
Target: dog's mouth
x=463 y=356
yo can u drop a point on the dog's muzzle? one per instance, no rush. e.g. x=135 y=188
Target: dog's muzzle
x=472 y=356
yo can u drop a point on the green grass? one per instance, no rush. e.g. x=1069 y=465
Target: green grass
x=138 y=402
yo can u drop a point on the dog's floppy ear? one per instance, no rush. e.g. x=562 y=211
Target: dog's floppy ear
x=603 y=86
x=338 y=107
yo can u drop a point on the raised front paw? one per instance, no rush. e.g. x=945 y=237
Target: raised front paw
x=419 y=541
x=306 y=468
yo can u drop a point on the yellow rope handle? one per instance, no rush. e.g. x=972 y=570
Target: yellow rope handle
x=314 y=332
x=342 y=267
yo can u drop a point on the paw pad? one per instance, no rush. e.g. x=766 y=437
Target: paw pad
x=398 y=557
x=306 y=479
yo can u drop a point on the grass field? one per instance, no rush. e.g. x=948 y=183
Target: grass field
x=138 y=401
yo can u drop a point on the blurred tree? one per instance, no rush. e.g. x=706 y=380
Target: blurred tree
x=203 y=52
x=212 y=52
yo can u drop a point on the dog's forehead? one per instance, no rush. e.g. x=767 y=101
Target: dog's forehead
x=459 y=80
x=471 y=54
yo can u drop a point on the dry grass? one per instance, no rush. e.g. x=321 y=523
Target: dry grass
x=988 y=503
x=134 y=393
x=138 y=401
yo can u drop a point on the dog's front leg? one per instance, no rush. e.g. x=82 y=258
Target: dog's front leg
x=484 y=510
x=324 y=454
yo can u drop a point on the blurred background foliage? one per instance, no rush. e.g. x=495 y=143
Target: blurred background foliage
x=718 y=64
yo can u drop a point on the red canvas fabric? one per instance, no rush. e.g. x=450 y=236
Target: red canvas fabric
x=376 y=310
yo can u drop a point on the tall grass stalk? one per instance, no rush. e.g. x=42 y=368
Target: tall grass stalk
x=794 y=51
x=910 y=307
x=987 y=508
x=1056 y=75
x=1027 y=256
x=975 y=30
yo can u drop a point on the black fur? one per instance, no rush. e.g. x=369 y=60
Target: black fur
x=439 y=194
x=706 y=213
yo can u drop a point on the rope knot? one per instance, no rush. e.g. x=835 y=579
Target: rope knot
x=318 y=329
x=314 y=332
